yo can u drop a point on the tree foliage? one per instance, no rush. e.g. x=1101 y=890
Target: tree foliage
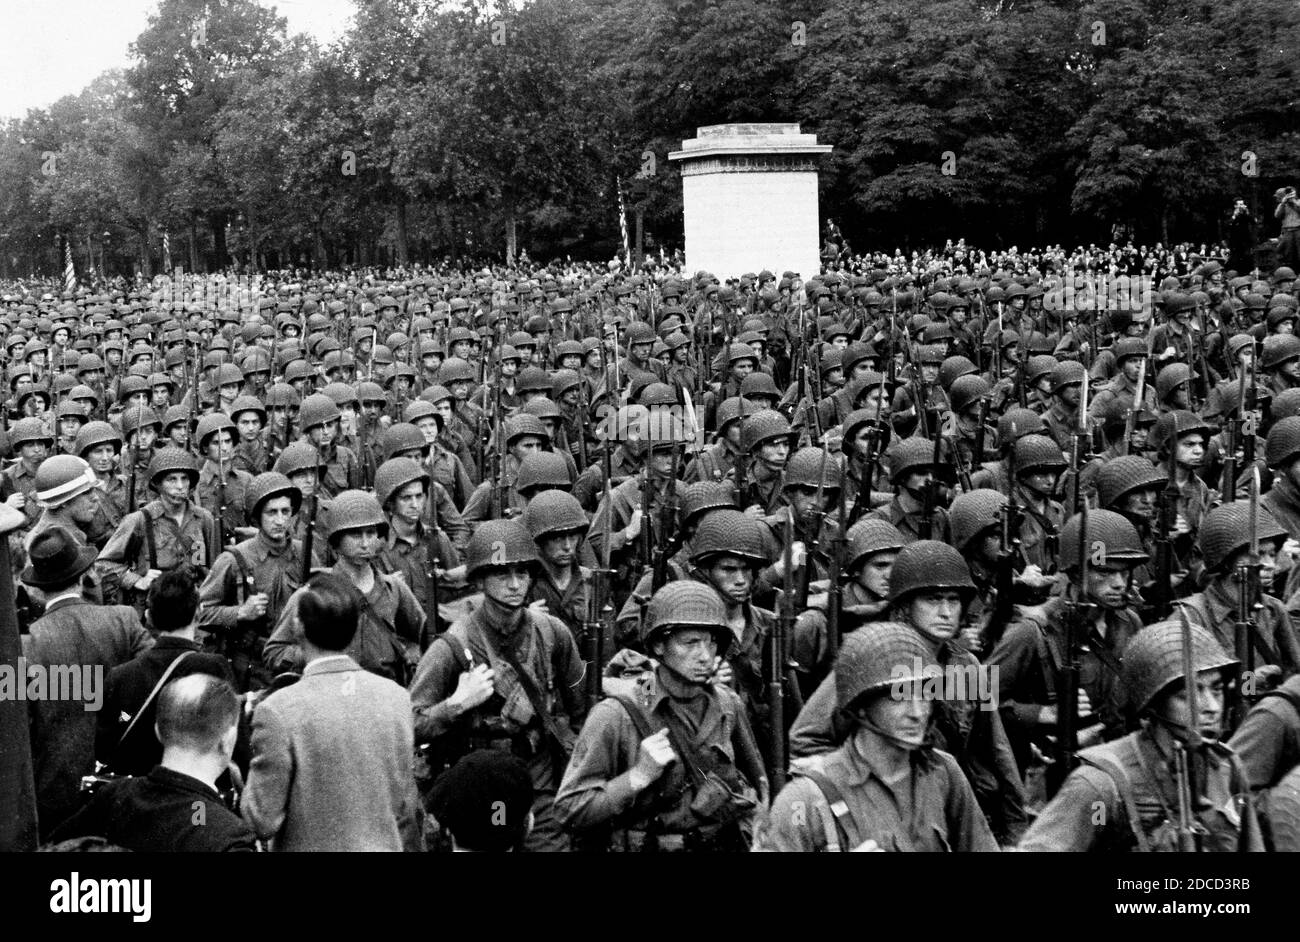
x=433 y=128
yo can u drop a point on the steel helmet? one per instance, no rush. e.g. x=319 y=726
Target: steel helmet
x=400 y=438
x=356 y=510
x=1225 y=531
x=212 y=423
x=929 y=564
x=542 y=470
x=300 y=456
x=29 y=430
x=497 y=544
x=686 y=604
x=394 y=474
x=761 y=427
x=1123 y=475
x=703 y=496
x=266 y=486
x=1283 y=443
x=1153 y=660
x=1109 y=533
x=317 y=409
x=167 y=460
x=813 y=467
x=61 y=478
x=875 y=658
x=871 y=536
x=730 y=533
x=554 y=512
x=974 y=512
x=96 y=433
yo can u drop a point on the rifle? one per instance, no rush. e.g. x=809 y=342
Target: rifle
x=309 y=536
x=1191 y=833
x=135 y=460
x=498 y=476
x=601 y=612
x=1248 y=608
x=980 y=433
x=1235 y=429
x=776 y=666
x=432 y=556
x=671 y=533
x=926 y=526
x=814 y=537
x=223 y=538
x=741 y=458
x=647 y=531
x=835 y=604
x=1162 y=594
x=1139 y=396
x=1079 y=616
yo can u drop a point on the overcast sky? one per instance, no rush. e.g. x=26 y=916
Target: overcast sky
x=52 y=48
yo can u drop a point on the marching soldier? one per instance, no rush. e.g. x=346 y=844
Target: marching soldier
x=391 y=632
x=844 y=800
x=168 y=532
x=1134 y=793
x=504 y=677
x=1030 y=657
x=559 y=526
x=414 y=549
x=673 y=766
x=243 y=596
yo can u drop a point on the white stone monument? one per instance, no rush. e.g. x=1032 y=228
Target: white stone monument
x=749 y=195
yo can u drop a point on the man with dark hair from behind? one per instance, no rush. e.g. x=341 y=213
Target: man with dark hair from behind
x=484 y=802
x=173 y=604
x=175 y=807
x=333 y=754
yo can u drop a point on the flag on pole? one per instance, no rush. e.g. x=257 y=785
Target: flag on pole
x=167 y=253
x=622 y=223
x=69 y=272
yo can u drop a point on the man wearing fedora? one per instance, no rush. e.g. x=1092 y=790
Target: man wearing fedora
x=81 y=640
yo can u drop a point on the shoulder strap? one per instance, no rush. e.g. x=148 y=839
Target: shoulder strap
x=842 y=826
x=1290 y=696
x=635 y=713
x=245 y=578
x=150 y=538
x=535 y=699
x=1124 y=788
x=153 y=694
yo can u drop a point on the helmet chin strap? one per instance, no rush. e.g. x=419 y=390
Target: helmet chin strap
x=904 y=744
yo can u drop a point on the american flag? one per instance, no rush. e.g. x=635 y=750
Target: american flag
x=69 y=272
x=622 y=223
x=167 y=252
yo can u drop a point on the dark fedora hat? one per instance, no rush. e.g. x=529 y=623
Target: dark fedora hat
x=56 y=559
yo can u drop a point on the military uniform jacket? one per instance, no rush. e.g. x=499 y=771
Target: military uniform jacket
x=1029 y=657
x=617 y=513
x=75 y=634
x=24 y=482
x=243 y=570
x=236 y=487
x=388 y=639
x=1135 y=786
x=543 y=647
x=909 y=524
x=939 y=814
x=570 y=604
x=128 y=555
x=596 y=792
x=411 y=561
x=712 y=464
x=1216 y=609
x=974 y=736
x=1268 y=739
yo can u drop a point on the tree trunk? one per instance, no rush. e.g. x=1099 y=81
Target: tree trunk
x=402 y=251
x=253 y=238
x=1164 y=225
x=512 y=240
x=146 y=259
x=217 y=223
x=194 y=246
